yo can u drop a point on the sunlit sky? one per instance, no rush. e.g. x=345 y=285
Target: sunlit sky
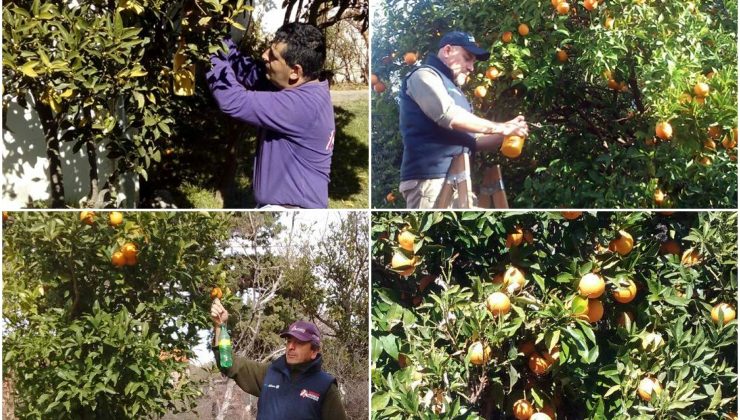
x=318 y=221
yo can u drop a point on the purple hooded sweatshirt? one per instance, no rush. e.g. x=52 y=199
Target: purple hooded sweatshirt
x=296 y=137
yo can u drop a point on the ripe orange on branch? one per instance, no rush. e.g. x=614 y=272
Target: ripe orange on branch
x=625 y=294
x=493 y=73
x=512 y=146
x=522 y=409
x=727 y=311
x=498 y=304
x=406 y=240
x=87 y=217
x=506 y=37
x=523 y=29
x=663 y=130
x=591 y=286
x=647 y=387
x=216 y=293
x=409 y=58
x=115 y=218
x=481 y=91
x=479 y=355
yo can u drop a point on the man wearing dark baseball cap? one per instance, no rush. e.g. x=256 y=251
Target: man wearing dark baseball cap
x=436 y=119
x=294 y=386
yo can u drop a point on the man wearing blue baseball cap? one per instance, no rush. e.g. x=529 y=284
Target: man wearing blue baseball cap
x=437 y=122
x=294 y=386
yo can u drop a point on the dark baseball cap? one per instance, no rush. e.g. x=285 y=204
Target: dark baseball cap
x=465 y=40
x=303 y=331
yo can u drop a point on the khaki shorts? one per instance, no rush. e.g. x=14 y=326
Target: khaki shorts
x=422 y=193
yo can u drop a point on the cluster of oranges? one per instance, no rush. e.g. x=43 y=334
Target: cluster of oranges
x=401 y=262
x=126 y=255
x=591 y=287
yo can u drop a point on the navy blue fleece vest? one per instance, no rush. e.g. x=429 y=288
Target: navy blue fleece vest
x=282 y=398
x=428 y=149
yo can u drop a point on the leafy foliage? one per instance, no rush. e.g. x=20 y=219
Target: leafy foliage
x=423 y=324
x=591 y=145
x=84 y=338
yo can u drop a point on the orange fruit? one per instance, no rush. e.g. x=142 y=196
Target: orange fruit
x=561 y=56
x=401 y=261
x=609 y=23
x=647 y=387
x=552 y=356
x=728 y=143
x=727 y=311
x=685 y=98
x=571 y=215
x=563 y=8
x=522 y=409
x=406 y=240
x=701 y=90
x=625 y=294
x=87 y=217
x=373 y=79
x=595 y=310
x=506 y=37
x=670 y=247
x=409 y=58
x=537 y=364
x=710 y=144
x=547 y=413
x=663 y=130
x=613 y=84
x=498 y=278
x=514 y=276
x=591 y=286
x=115 y=218
x=390 y=197
x=379 y=87
x=479 y=356
x=590 y=4
x=481 y=91
x=652 y=341
x=658 y=197
x=216 y=293
x=117 y=259
x=5 y=216
x=623 y=244
x=493 y=73
x=625 y=317
x=704 y=161
x=690 y=257
x=699 y=100
x=714 y=131
x=515 y=238
x=498 y=304
x=407 y=272
x=523 y=29
x=512 y=146
x=555 y=3
x=526 y=348
x=129 y=250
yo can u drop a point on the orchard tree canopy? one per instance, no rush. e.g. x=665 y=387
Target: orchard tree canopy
x=593 y=315
x=597 y=81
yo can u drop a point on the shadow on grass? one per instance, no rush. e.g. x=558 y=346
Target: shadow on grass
x=350 y=156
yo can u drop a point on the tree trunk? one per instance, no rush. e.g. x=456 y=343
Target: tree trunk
x=51 y=130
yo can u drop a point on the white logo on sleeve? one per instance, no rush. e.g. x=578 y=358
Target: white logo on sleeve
x=273 y=386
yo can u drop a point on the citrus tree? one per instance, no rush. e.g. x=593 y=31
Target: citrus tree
x=101 y=310
x=117 y=75
x=545 y=315
x=632 y=103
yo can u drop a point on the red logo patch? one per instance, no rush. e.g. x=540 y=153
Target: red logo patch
x=310 y=394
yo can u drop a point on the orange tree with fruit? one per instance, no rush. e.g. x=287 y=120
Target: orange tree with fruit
x=632 y=103
x=535 y=315
x=95 y=304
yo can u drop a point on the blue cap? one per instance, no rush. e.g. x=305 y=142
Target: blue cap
x=465 y=40
x=303 y=331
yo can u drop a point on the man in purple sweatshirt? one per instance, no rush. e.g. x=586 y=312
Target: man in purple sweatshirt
x=284 y=97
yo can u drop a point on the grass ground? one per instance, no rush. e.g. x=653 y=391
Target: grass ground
x=349 y=185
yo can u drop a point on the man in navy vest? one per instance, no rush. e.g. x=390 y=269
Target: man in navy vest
x=437 y=122
x=294 y=386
